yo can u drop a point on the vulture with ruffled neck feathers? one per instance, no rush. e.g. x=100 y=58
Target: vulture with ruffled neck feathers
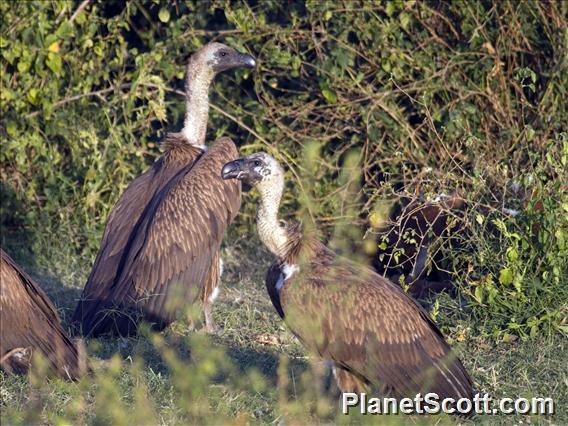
x=160 y=248
x=29 y=323
x=374 y=334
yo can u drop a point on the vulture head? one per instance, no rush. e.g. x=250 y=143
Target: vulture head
x=217 y=57
x=259 y=170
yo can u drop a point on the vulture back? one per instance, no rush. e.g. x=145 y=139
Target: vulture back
x=125 y=219
x=29 y=323
x=171 y=250
x=373 y=332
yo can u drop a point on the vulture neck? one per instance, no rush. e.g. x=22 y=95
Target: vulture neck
x=271 y=232
x=198 y=80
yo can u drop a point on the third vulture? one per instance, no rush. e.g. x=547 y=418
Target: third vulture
x=373 y=333
x=160 y=249
x=29 y=323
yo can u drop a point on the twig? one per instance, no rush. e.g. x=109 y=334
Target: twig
x=73 y=98
x=79 y=9
x=99 y=93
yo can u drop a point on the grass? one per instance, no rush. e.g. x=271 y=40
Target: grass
x=253 y=370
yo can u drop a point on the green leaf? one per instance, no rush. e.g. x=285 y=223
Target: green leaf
x=506 y=276
x=329 y=95
x=23 y=65
x=512 y=254
x=530 y=133
x=54 y=62
x=164 y=15
x=404 y=20
x=32 y=96
x=479 y=293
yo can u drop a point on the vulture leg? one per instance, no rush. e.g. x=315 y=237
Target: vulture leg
x=347 y=382
x=210 y=293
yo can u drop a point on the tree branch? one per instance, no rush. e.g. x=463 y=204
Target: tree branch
x=73 y=98
x=79 y=9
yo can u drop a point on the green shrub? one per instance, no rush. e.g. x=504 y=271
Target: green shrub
x=435 y=96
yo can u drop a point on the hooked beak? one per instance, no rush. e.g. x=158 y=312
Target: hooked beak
x=247 y=60
x=233 y=170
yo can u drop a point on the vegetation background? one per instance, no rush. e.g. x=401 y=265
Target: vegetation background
x=363 y=101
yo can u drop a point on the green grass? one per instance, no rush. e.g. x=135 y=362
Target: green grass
x=238 y=375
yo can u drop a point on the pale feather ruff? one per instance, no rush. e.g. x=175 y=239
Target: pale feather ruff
x=287 y=272
x=215 y=294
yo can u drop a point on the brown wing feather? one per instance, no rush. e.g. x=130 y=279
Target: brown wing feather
x=125 y=218
x=29 y=320
x=370 y=327
x=171 y=252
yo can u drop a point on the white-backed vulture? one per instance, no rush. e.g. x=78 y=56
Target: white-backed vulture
x=408 y=243
x=374 y=334
x=160 y=248
x=29 y=323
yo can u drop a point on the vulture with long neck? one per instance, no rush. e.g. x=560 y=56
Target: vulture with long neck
x=160 y=250
x=29 y=324
x=375 y=336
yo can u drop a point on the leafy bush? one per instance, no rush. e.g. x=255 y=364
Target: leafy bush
x=434 y=96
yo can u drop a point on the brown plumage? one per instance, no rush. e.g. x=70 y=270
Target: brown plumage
x=162 y=239
x=375 y=335
x=410 y=241
x=171 y=251
x=30 y=324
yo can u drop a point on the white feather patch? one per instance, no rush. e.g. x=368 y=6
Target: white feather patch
x=215 y=294
x=510 y=212
x=440 y=197
x=287 y=272
x=220 y=267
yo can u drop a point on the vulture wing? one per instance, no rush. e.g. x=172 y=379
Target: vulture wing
x=30 y=321
x=170 y=252
x=125 y=218
x=369 y=327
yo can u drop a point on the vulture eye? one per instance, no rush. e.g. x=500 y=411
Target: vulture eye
x=256 y=163
x=223 y=53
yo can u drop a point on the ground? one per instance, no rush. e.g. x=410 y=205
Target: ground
x=253 y=370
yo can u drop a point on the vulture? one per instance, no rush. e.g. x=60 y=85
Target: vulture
x=375 y=336
x=29 y=323
x=160 y=249
x=404 y=243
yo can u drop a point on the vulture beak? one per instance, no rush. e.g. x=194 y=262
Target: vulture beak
x=247 y=60
x=233 y=170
